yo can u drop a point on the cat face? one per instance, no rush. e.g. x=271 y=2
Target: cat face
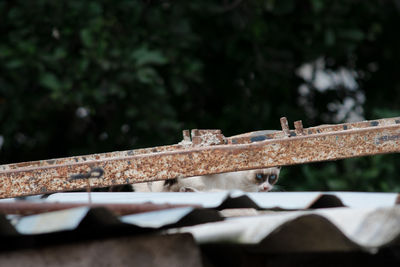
x=260 y=180
x=263 y=180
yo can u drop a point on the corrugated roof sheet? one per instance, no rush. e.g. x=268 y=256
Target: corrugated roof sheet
x=71 y=219
x=273 y=222
x=322 y=230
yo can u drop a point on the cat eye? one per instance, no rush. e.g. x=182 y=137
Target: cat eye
x=259 y=176
x=272 y=178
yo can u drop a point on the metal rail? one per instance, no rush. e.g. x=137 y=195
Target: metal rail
x=204 y=152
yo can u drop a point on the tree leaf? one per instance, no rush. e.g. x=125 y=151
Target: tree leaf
x=50 y=81
x=144 y=56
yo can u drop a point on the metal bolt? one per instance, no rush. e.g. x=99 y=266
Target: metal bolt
x=298 y=125
x=285 y=126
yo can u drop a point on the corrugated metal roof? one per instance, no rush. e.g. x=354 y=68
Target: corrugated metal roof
x=322 y=230
x=71 y=219
x=273 y=222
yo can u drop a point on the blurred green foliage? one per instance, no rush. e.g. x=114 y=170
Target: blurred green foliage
x=80 y=77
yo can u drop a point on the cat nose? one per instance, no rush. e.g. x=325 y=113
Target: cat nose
x=265 y=188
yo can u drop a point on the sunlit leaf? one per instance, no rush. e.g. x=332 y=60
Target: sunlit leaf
x=145 y=56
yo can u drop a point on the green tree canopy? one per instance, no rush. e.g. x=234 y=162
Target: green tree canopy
x=79 y=77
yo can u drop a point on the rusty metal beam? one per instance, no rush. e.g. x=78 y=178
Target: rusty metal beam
x=207 y=155
x=328 y=128
x=84 y=158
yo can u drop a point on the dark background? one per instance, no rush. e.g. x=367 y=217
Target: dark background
x=82 y=77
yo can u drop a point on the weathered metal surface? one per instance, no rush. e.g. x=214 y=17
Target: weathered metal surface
x=92 y=157
x=28 y=208
x=328 y=143
x=353 y=126
x=256 y=136
x=273 y=134
x=207 y=137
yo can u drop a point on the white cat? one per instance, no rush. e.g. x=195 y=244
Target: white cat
x=259 y=180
